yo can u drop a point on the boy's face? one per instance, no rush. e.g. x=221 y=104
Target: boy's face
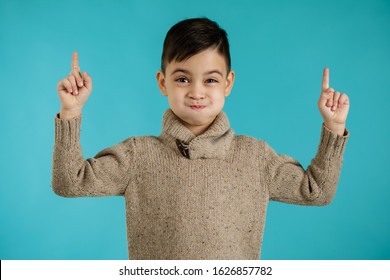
x=196 y=88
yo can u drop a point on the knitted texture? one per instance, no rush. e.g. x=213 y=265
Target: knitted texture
x=206 y=203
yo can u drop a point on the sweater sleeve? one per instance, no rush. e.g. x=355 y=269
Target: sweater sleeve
x=106 y=174
x=288 y=182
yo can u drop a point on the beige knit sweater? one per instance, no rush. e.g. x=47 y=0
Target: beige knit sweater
x=191 y=197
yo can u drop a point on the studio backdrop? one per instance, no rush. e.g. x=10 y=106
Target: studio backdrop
x=278 y=51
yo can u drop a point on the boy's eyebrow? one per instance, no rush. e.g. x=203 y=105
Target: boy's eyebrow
x=189 y=73
x=214 y=71
x=180 y=70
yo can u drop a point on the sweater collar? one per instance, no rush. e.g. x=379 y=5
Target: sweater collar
x=213 y=143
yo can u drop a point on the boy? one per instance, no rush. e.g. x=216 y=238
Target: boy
x=197 y=191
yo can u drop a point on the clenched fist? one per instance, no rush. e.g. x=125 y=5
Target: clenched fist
x=333 y=106
x=74 y=90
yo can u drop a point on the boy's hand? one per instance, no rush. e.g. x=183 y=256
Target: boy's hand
x=74 y=90
x=333 y=106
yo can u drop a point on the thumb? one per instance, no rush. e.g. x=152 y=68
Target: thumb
x=344 y=100
x=87 y=81
x=344 y=103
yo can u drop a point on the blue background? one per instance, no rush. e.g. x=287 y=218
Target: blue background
x=278 y=49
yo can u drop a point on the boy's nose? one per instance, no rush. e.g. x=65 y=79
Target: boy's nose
x=197 y=92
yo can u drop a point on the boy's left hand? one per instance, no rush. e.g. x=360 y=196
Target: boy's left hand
x=333 y=106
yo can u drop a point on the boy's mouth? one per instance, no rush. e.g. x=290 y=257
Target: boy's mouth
x=197 y=107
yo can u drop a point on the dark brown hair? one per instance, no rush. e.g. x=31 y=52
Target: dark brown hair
x=192 y=36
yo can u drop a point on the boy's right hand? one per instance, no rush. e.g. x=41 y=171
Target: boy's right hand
x=74 y=90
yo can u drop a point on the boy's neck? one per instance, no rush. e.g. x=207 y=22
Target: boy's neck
x=197 y=129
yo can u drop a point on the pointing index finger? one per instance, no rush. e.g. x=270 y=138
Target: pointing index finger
x=325 y=79
x=75 y=61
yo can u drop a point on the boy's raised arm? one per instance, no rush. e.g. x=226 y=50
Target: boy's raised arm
x=72 y=176
x=288 y=182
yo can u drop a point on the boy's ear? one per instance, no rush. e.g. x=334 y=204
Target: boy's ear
x=229 y=83
x=161 y=82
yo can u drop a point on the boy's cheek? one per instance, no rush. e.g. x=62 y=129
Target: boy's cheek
x=174 y=100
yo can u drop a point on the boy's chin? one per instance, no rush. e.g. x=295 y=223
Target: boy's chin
x=196 y=118
x=200 y=121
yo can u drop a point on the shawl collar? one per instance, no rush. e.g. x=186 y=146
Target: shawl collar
x=213 y=143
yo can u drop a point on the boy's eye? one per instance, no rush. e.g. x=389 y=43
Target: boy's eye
x=211 y=81
x=182 y=80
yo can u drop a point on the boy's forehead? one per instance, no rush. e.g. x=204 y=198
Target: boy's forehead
x=207 y=61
